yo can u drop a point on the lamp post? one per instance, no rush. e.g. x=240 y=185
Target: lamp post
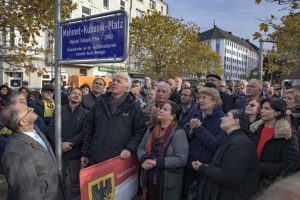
x=261 y=57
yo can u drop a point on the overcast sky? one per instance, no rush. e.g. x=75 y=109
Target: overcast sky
x=238 y=16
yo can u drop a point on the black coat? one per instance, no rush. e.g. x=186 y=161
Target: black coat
x=233 y=173
x=107 y=133
x=175 y=96
x=39 y=110
x=227 y=102
x=279 y=156
x=71 y=129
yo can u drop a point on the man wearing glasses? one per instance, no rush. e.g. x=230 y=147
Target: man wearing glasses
x=28 y=160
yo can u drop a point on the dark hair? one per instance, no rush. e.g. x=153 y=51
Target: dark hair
x=276 y=104
x=24 y=88
x=175 y=109
x=137 y=81
x=193 y=93
x=244 y=120
x=210 y=85
x=85 y=86
x=75 y=88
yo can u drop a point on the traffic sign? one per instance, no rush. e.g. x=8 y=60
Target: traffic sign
x=95 y=39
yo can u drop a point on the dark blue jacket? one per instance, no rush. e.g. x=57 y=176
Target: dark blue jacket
x=3 y=142
x=71 y=129
x=206 y=139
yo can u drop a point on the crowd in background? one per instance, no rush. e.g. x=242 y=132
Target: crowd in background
x=218 y=140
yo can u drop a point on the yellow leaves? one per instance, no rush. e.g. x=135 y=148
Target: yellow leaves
x=256 y=36
x=264 y=27
x=171 y=47
x=257 y=1
x=295 y=5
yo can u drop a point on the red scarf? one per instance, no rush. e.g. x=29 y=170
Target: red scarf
x=155 y=137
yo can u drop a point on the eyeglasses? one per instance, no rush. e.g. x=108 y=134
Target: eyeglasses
x=29 y=111
x=252 y=105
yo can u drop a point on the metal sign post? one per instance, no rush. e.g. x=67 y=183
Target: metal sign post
x=57 y=84
x=101 y=38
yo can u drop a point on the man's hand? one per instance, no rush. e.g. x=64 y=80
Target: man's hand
x=84 y=162
x=66 y=146
x=125 y=154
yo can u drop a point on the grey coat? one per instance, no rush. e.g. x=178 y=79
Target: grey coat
x=30 y=169
x=172 y=164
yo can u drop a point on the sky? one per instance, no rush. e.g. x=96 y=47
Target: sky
x=241 y=17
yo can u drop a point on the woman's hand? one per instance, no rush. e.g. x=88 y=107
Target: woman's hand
x=196 y=165
x=195 y=123
x=148 y=164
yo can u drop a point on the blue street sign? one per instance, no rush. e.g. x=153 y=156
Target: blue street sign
x=95 y=40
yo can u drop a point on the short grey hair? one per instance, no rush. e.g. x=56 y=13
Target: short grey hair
x=10 y=117
x=12 y=98
x=164 y=84
x=256 y=81
x=126 y=77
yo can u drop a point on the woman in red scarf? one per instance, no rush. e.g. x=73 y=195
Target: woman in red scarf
x=163 y=153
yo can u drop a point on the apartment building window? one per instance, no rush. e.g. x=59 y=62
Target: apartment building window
x=2 y=38
x=137 y=65
x=85 y=11
x=152 y=4
x=83 y=72
x=218 y=46
x=12 y=36
x=142 y=1
x=162 y=10
x=106 y=4
x=122 y=5
x=139 y=13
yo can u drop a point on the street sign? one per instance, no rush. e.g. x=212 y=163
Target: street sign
x=100 y=38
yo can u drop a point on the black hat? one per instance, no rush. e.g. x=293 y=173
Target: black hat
x=210 y=85
x=214 y=76
x=47 y=88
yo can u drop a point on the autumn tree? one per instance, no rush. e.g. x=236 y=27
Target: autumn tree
x=23 y=22
x=168 y=47
x=284 y=56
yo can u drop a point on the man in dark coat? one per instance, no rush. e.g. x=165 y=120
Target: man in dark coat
x=115 y=125
x=188 y=106
x=28 y=160
x=72 y=119
x=44 y=107
x=175 y=85
x=226 y=98
x=90 y=99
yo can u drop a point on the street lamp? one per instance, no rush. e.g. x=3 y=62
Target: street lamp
x=261 y=57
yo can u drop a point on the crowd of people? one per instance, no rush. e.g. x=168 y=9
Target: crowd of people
x=219 y=140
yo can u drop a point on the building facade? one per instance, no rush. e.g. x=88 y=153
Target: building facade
x=13 y=75
x=239 y=56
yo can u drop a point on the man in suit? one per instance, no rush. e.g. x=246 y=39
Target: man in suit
x=28 y=160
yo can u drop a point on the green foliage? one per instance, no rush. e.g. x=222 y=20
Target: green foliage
x=168 y=47
x=284 y=56
x=28 y=19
